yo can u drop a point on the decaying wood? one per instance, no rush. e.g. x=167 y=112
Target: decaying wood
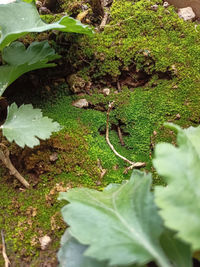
x=132 y=164
x=6 y=259
x=4 y=157
x=97 y=7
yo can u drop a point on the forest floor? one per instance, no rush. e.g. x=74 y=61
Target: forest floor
x=144 y=59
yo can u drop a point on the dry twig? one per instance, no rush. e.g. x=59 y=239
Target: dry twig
x=4 y=157
x=6 y=259
x=104 y=20
x=103 y=171
x=120 y=136
x=132 y=164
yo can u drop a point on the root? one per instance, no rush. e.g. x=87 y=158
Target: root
x=4 y=157
x=132 y=164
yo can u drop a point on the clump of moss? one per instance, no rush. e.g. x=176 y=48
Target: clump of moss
x=30 y=214
x=160 y=46
x=51 y=18
x=152 y=41
x=73 y=8
x=138 y=40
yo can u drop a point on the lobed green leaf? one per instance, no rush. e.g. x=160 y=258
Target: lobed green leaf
x=71 y=254
x=179 y=201
x=25 y=125
x=21 y=60
x=177 y=251
x=120 y=224
x=19 y=18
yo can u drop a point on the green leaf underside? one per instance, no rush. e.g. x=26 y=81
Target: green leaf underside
x=25 y=125
x=178 y=252
x=21 y=60
x=71 y=254
x=19 y=18
x=120 y=224
x=179 y=201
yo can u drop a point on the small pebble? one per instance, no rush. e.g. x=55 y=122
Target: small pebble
x=53 y=157
x=178 y=116
x=43 y=10
x=38 y=4
x=186 y=13
x=106 y=91
x=165 y=4
x=44 y=241
x=154 y=7
x=81 y=103
x=84 y=7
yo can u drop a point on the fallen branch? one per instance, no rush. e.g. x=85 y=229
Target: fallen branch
x=4 y=157
x=132 y=164
x=6 y=259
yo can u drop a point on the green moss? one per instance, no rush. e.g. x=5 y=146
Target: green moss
x=138 y=40
x=162 y=47
x=153 y=41
x=30 y=214
x=72 y=7
x=76 y=120
x=51 y=18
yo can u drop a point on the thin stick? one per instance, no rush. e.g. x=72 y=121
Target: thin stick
x=7 y=162
x=133 y=164
x=120 y=136
x=6 y=259
x=119 y=86
x=104 y=20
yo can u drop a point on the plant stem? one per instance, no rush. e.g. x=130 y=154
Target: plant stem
x=4 y=157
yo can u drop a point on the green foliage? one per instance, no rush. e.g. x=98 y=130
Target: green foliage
x=25 y=124
x=160 y=46
x=17 y=19
x=124 y=233
x=74 y=167
x=177 y=251
x=21 y=60
x=71 y=254
x=24 y=18
x=180 y=166
x=88 y=122
x=153 y=41
x=128 y=228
